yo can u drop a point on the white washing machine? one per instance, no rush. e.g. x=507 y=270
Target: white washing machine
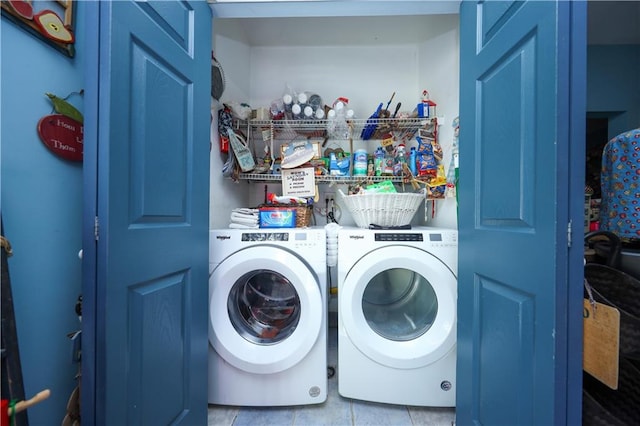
x=267 y=317
x=397 y=295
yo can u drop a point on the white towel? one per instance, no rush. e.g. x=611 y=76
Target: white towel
x=245 y=220
x=245 y=210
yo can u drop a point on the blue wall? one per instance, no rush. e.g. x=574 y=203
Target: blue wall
x=613 y=84
x=41 y=205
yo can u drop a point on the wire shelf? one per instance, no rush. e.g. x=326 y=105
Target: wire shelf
x=266 y=177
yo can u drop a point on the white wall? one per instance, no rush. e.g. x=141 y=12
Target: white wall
x=258 y=72
x=234 y=53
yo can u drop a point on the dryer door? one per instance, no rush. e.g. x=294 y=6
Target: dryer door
x=266 y=309
x=397 y=304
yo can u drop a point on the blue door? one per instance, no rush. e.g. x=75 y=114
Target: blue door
x=145 y=270
x=522 y=112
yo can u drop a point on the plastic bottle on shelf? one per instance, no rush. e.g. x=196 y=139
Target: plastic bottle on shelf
x=333 y=165
x=287 y=100
x=315 y=101
x=309 y=114
x=338 y=128
x=360 y=162
x=378 y=161
x=413 y=157
x=400 y=160
x=331 y=122
x=320 y=113
x=387 y=164
x=349 y=114
x=296 y=112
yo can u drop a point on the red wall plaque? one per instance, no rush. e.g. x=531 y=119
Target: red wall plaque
x=62 y=135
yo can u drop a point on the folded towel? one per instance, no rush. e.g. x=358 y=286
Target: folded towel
x=245 y=220
x=245 y=210
x=243 y=215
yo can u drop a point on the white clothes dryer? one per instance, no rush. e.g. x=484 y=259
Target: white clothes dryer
x=267 y=317
x=397 y=295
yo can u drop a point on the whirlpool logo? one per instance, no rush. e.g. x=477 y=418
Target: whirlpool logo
x=356 y=237
x=223 y=237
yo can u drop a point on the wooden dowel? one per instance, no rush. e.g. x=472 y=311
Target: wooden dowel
x=23 y=405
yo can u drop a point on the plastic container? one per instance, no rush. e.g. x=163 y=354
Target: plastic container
x=400 y=160
x=413 y=157
x=378 y=161
x=277 y=218
x=360 y=162
x=287 y=101
x=309 y=114
x=333 y=165
x=296 y=112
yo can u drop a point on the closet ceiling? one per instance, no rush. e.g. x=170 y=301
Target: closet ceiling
x=609 y=22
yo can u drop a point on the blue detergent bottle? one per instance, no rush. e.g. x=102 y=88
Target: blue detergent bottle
x=413 y=156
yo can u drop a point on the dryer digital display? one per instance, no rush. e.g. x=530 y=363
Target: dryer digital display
x=265 y=236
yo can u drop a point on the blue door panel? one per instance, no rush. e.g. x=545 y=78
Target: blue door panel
x=514 y=251
x=163 y=302
x=159 y=196
x=505 y=352
x=507 y=98
x=493 y=16
x=150 y=283
x=173 y=18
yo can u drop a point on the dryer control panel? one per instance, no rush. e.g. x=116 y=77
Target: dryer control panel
x=433 y=237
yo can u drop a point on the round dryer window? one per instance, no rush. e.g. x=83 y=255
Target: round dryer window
x=264 y=306
x=397 y=310
x=399 y=304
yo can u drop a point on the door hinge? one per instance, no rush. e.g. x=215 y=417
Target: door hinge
x=569 y=234
x=96 y=228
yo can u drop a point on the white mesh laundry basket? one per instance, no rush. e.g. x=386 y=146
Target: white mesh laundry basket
x=383 y=209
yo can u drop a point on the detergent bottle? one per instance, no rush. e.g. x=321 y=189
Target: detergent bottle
x=378 y=160
x=413 y=156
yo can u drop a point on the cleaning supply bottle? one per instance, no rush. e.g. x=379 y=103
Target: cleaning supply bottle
x=360 y=162
x=333 y=165
x=413 y=156
x=378 y=161
x=400 y=160
x=387 y=164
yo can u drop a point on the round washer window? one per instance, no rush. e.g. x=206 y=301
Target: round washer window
x=264 y=307
x=399 y=304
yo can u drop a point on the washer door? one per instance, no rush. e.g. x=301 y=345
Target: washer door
x=397 y=304
x=265 y=309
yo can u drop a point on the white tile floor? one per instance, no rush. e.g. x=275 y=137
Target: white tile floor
x=336 y=410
